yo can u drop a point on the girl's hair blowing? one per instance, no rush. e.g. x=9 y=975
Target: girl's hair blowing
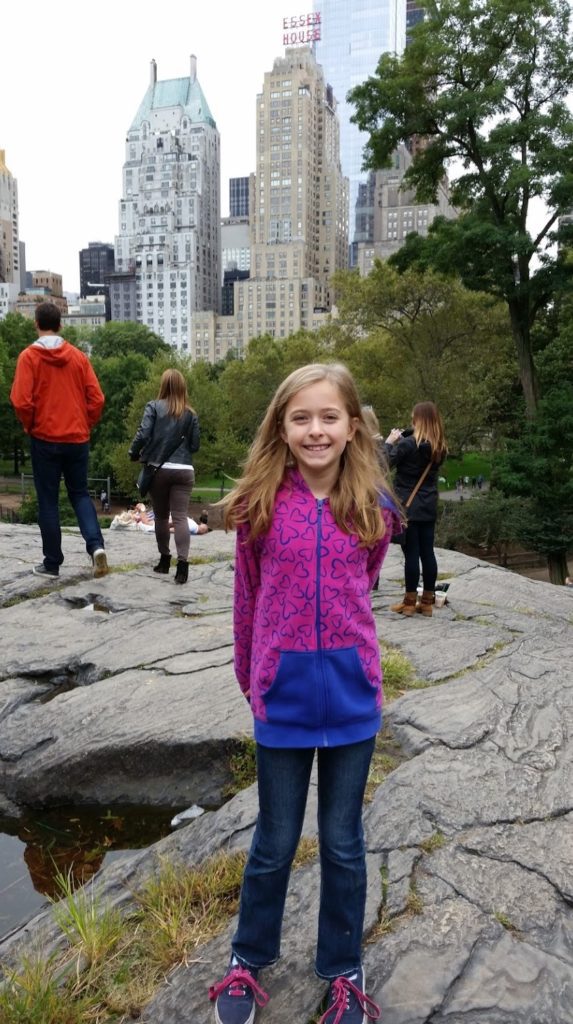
x=173 y=389
x=429 y=426
x=355 y=498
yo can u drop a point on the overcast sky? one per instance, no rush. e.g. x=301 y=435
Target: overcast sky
x=72 y=76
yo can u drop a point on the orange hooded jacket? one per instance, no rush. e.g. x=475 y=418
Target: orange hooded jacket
x=56 y=394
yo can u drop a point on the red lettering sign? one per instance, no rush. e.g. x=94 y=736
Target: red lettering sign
x=300 y=22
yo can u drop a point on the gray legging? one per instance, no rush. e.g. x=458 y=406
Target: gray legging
x=170 y=492
x=419 y=547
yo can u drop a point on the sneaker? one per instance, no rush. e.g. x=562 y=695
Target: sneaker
x=348 y=1002
x=42 y=570
x=99 y=559
x=237 y=995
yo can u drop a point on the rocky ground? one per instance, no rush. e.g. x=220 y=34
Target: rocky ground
x=122 y=690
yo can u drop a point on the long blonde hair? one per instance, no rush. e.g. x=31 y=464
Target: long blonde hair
x=429 y=426
x=173 y=390
x=355 y=497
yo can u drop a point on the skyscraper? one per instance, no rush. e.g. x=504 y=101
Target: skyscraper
x=96 y=262
x=168 y=245
x=354 y=35
x=298 y=212
x=239 y=197
x=9 y=241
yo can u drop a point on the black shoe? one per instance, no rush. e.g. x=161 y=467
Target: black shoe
x=204 y=518
x=164 y=564
x=42 y=570
x=182 y=572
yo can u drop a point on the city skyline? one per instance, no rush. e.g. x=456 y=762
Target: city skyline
x=74 y=95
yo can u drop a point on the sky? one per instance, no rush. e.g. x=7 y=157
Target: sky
x=72 y=76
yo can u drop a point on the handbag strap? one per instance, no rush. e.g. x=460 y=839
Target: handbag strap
x=418 y=485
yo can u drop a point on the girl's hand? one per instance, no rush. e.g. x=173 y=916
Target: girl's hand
x=394 y=436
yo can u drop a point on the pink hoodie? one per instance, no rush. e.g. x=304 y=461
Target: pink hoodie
x=305 y=637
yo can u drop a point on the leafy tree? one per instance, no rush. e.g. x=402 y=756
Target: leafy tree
x=491 y=521
x=117 y=338
x=16 y=332
x=538 y=467
x=420 y=336
x=485 y=83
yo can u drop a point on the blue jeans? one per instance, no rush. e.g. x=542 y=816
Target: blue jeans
x=50 y=461
x=283 y=780
x=419 y=547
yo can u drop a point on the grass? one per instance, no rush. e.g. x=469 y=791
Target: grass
x=471 y=464
x=243 y=765
x=112 y=964
x=504 y=921
x=386 y=758
x=399 y=674
x=433 y=842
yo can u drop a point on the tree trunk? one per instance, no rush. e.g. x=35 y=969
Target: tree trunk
x=527 y=372
x=16 y=458
x=557 y=565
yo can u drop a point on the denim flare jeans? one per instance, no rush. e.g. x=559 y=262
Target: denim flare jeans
x=283 y=781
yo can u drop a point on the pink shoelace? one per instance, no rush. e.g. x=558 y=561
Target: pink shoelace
x=341 y=989
x=235 y=981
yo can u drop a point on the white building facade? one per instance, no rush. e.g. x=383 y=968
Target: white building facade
x=9 y=239
x=169 y=215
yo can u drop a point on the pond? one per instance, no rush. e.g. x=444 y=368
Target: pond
x=68 y=841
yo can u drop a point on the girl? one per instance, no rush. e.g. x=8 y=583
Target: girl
x=416 y=454
x=314 y=518
x=167 y=437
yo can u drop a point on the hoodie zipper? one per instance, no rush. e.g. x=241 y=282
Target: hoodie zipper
x=319 y=651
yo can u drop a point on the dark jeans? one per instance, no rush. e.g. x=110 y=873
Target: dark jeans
x=283 y=780
x=50 y=461
x=170 y=492
x=419 y=547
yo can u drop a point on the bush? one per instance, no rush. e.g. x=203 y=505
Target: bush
x=491 y=521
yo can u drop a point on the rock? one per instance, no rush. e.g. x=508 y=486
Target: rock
x=469 y=917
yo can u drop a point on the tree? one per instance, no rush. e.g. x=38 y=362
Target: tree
x=420 y=336
x=488 y=521
x=117 y=338
x=16 y=332
x=485 y=83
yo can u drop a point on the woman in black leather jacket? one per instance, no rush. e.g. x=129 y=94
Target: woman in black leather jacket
x=167 y=437
x=410 y=453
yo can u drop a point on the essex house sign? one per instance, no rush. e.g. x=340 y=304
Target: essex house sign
x=301 y=28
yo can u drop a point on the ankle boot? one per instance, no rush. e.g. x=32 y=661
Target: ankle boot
x=407 y=605
x=182 y=572
x=164 y=564
x=426 y=604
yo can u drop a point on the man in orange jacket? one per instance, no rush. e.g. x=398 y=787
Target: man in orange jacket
x=57 y=398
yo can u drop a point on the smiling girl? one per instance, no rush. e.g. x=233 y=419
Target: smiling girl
x=314 y=517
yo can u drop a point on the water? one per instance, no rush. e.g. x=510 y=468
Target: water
x=72 y=841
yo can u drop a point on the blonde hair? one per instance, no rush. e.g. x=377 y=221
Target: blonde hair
x=429 y=426
x=355 y=497
x=371 y=421
x=173 y=390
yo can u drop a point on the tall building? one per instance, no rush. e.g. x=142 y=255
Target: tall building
x=414 y=14
x=96 y=262
x=395 y=212
x=353 y=37
x=167 y=252
x=298 y=213
x=9 y=240
x=46 y=286
x=239 y=197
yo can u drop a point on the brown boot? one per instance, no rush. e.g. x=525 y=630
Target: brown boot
x=407 y=605
x=426 y=604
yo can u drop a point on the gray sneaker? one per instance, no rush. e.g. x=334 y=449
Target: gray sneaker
x=99 y=559
x=42 y=570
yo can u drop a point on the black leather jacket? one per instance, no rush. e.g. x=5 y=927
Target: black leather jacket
x=156 y=438
x=410 y=460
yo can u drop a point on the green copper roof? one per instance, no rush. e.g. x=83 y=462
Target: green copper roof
x=176 y=92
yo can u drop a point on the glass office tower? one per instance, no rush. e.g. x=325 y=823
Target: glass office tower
x=354 y=34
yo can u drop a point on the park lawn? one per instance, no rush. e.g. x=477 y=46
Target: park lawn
x=471 y=464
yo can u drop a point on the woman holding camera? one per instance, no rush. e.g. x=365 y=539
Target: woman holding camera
x=416 y=455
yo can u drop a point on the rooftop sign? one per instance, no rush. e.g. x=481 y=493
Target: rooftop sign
x=301 y=28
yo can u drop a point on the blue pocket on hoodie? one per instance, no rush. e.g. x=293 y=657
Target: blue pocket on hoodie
x=320 y=688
